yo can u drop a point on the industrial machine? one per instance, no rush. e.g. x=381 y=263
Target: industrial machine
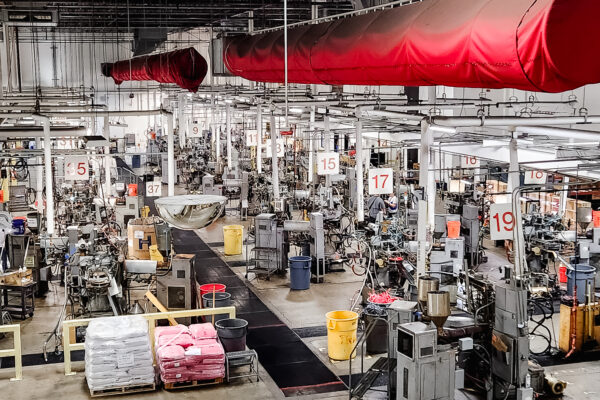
x=425 y=369
x=176 y=287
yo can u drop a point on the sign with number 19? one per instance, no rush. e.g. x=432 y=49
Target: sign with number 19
x=502 y=221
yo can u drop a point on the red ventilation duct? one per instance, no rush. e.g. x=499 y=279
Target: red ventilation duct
x=186 y=68
x=535 y=45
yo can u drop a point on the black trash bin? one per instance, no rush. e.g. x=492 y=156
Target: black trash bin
x=232 y=332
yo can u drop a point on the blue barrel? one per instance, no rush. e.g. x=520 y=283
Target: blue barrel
x=585 y=273
x=300 y=272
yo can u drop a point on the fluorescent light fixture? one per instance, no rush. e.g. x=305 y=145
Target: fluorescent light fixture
x=442 y=129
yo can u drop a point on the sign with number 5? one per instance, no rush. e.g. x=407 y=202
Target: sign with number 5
x=76 y=168
x=328 y=163
x=469 y=162
x=502 y=221
x=381 y=181
x=153 y=188
x=535 y=177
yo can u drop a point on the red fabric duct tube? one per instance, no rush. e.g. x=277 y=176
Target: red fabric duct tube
x=535 y=45
x=186 y=68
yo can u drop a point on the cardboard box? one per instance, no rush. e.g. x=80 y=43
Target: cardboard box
x=141 y=234
x=16 y=278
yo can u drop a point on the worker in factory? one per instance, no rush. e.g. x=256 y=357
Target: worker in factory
x=375 y=204
x=392 y=205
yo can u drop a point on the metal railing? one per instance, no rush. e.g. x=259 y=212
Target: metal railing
x=15 y=351
x=70 y=326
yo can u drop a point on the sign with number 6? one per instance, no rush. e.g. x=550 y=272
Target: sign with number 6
x=535 y=177
x=328 y=163
x=470 y=162
x=502 y=221
x=381 y=181
x=76 y=168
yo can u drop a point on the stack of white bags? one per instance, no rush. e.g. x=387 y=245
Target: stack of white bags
x=118 y=353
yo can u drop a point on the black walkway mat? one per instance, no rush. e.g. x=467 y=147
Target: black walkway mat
x=30 y=360
x=291 y=364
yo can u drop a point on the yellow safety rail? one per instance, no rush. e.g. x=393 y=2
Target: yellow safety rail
x=70 y=325
x=15 y=351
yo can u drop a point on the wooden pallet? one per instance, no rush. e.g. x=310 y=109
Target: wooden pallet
x=123 y=390
x=191 y=384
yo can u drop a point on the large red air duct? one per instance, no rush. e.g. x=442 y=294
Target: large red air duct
x=536 y=45
x=186 y=68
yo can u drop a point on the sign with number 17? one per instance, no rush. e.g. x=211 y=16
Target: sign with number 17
x=381 y=181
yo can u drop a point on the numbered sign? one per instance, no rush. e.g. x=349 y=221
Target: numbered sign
x=381 y=181
x=280 y=148
x=502 y=221
x=195 y=130
x=535 y=177
x=469 y=162
x=251 y=137
x=76 y=168
x=153 y=188
x=328 y=163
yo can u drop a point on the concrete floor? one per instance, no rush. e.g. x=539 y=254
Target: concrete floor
x=298 y=309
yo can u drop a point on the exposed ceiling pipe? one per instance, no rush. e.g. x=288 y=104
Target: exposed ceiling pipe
x=465 y=122
x=562 y=133
x=34 y=133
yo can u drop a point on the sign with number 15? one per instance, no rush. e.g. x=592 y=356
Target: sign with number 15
x=328 y=163
x=76 y=168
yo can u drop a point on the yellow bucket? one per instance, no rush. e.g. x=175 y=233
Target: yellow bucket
x=233 y=236
x=341 y=334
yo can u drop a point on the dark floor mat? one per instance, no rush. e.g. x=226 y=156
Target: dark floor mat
x=311 y=331
x=293 y=366
x=260 y=319
x=29 y=360
x=559 y=359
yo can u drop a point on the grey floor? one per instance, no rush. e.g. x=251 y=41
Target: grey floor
x=298 y=309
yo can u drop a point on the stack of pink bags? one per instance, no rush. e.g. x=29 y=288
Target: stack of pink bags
x=189 y=354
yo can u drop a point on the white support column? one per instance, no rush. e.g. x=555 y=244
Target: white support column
x=514 y=182
x=328 y=144
x=107 y=159
x=274 y=164
x=228 y=128
x=426 y=206
x=49 y=183
x=259 y=138
x=309 y=135
x=360 y=197
x=170 y=155
x=562 y=207
x=39 y=179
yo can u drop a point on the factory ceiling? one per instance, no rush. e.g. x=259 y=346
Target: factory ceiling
x=119 y=15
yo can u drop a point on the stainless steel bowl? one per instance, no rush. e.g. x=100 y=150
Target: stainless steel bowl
x=190 y=211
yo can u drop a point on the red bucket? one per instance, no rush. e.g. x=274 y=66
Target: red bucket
x=562 y=274
x=211 y=287
x=453 y=229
